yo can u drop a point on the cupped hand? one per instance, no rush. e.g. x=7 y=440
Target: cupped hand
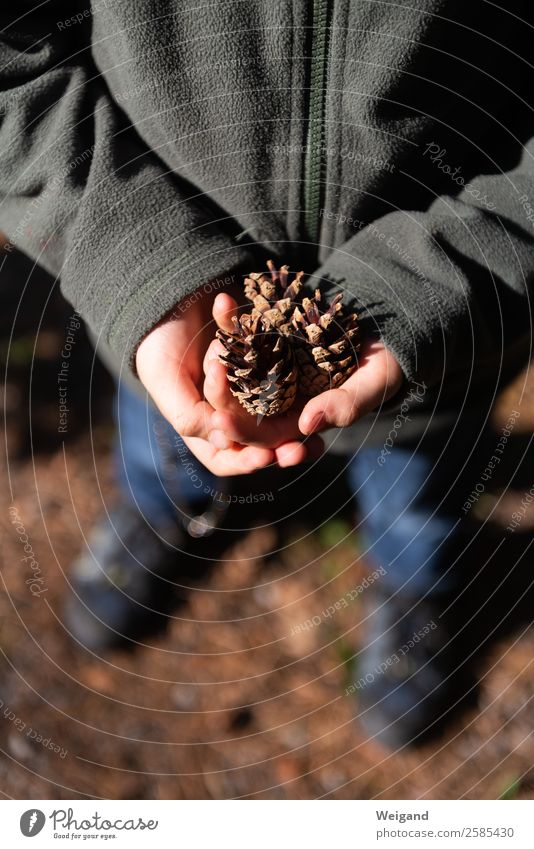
x=231 y=424
x=169 y=364
x=378 y=378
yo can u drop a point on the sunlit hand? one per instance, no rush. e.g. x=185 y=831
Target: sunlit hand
x=231 y=424
x=377 y=379
x=169 y=364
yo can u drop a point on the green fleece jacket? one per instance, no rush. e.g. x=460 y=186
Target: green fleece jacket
x=149 y=146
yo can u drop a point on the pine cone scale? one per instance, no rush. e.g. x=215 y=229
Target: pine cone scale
x=289 y=343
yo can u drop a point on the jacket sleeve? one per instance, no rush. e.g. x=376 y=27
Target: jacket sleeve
x=448 y=288
x=84 y=196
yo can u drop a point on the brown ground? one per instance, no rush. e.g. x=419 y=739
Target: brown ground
x=228 y=703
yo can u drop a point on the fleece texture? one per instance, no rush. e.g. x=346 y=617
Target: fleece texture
x=150 y=146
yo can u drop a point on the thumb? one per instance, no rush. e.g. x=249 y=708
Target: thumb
x=224 y=307
x=377 y=379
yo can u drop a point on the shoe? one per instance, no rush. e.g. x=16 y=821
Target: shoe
x=122 y=588
x=414 y=674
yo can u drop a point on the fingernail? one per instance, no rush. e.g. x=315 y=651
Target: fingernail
x=317 y=422
x=219 y=439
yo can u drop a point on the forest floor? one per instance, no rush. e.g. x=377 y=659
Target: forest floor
x=233 y=700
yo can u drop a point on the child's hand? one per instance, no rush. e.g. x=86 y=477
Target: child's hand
x=230 y=424
x=377 y=379
x=169 y=364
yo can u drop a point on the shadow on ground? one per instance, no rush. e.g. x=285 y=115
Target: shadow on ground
x=234 y=699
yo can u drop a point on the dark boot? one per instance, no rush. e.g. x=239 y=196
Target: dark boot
x=123 y=583
x=415 y=672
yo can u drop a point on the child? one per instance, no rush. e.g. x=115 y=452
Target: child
x=160 y=150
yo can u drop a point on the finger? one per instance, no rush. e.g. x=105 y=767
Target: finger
x=334 y=408
x=216 y=386
x=218 y=395
x=170 y=383
x=292 y=453
x=232 y=461
x=224 y=307
x=239 y=426
x=217 y=436
x=178 y=399
x=215 y=349
x=246 y=429
x=228 y=429
x=377 y=379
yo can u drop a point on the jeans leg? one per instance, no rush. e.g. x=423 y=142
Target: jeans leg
x=410 y=506
x=155 y=470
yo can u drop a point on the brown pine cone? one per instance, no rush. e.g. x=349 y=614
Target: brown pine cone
x=288 y=342
x=261 y=366
x=326 y=346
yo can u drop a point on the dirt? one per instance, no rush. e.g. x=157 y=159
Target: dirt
x=233 y=700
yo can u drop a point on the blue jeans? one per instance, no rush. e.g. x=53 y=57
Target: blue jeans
x=411 y=512
x=154 y=468
x=409 y=500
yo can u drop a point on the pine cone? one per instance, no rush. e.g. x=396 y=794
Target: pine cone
x=287 y=342
x=326 y=344
x=274 y=296
x=260 y=366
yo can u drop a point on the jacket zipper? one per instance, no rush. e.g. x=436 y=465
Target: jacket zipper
x=315 y=166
